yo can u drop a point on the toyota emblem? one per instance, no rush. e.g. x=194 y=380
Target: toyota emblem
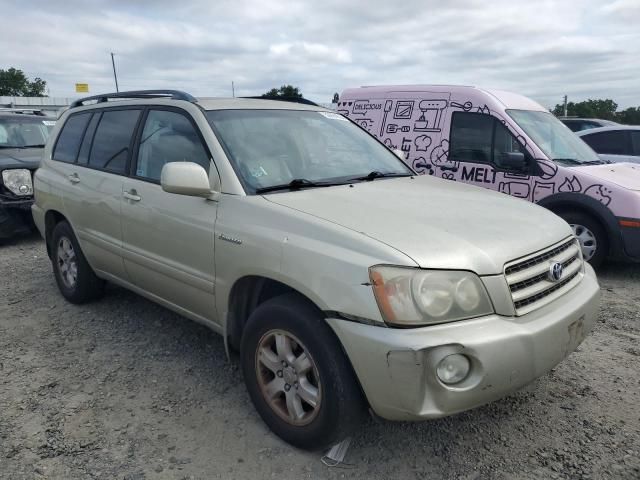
x=555 y=272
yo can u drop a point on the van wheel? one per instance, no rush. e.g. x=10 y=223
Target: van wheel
x=592 y=237
x=75 y=278
x=297 y=375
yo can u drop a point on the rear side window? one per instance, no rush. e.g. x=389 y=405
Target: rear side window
x=112 y=140
x=68 y=144
x=612 y=143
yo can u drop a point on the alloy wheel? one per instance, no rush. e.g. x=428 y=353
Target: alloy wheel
x=67 y=262
x=288 y=377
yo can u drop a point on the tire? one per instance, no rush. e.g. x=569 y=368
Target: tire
x=590 y=233
x=339 y=404
x=75 y=278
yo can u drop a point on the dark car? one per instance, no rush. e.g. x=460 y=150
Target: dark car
x=22 y=139
x=579 y=124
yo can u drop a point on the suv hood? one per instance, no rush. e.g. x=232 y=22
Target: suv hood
x=20 y=158
x=438 y=223
x=625 y=175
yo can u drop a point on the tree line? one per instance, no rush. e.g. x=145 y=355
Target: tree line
x=605 y=109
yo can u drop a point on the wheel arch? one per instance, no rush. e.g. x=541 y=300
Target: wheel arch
x=51 y=219
x=578 y=202
x=246 y=294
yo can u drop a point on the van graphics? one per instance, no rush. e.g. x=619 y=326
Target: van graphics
x=404 y=110
x=431 y=113
x=422 y=143
x=419 y=126
x=570 y=185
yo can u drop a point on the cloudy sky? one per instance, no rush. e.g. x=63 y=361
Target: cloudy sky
x=543 y=49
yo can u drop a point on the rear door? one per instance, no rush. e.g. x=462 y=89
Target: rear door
x=169 y=238
x=94 y=152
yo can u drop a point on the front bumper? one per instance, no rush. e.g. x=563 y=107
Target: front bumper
x=396 y=367
x=15 y=216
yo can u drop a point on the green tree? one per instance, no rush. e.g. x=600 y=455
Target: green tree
x=285 y=91
x=14 y=83
x=592 y=108
x=629 y=116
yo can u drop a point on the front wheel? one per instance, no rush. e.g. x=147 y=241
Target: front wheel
x=593 y=239
x=297 y=375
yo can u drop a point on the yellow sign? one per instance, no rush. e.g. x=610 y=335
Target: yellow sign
x=82 y=87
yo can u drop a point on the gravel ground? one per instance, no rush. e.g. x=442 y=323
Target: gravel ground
x=124 y=389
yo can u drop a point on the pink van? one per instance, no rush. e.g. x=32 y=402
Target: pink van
x=507 y=142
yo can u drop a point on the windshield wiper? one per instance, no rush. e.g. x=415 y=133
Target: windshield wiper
x=573 y=161
x=297 y=184
x=34 y=146
x=376 y=174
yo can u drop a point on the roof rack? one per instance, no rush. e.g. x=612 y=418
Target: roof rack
x=286 y=99
x=24 y=111
x=171 y=94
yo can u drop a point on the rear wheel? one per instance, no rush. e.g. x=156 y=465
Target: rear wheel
x=76 y=280
x=297 y=375
x=593 y=239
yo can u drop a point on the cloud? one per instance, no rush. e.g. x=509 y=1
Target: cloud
x=545 y=49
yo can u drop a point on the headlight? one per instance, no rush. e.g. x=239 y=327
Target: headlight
x=411 y=297
x=18 y=181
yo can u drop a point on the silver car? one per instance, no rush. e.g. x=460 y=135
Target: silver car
x=344 y=280
x=614 y=144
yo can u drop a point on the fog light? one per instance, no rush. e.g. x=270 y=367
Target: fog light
x=453 y=368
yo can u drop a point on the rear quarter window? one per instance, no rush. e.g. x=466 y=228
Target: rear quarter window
x=68 y=143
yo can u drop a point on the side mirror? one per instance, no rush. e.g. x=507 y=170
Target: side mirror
x=399 y=153
x=185 y=178
x=513 y=161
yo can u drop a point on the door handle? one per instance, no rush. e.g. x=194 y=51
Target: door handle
x=132 y=195
x=73 y=178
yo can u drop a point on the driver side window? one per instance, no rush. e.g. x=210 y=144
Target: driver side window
x=168 y=136
x=481 y=138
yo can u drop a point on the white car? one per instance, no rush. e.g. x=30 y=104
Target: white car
x=345 y=280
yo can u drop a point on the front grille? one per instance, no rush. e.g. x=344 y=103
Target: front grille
x=529 y=281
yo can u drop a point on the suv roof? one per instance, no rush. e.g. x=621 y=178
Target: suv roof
x=137 y=97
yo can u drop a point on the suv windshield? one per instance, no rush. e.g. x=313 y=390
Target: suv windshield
x=21 y=132
x=290 y=149
x=554 y=139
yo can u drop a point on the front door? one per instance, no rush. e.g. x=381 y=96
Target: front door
x=168 y=239
x=483 y=150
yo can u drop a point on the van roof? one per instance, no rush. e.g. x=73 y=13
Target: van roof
x=507 y=99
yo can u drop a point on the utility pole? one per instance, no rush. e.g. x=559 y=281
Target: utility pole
x=233 y=90
x=115 y=76
x=565 y=105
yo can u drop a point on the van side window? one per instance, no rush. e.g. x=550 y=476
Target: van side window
x=112 y=141
x=614 y=142
x=470 y=139
x=68 y=143
x=481 y=138
x=168 y=136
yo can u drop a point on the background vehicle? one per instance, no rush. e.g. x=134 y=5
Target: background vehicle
x=578 y=124
x=284 y=227
x=509 y=143
x=22 y=139
x=615 y=144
